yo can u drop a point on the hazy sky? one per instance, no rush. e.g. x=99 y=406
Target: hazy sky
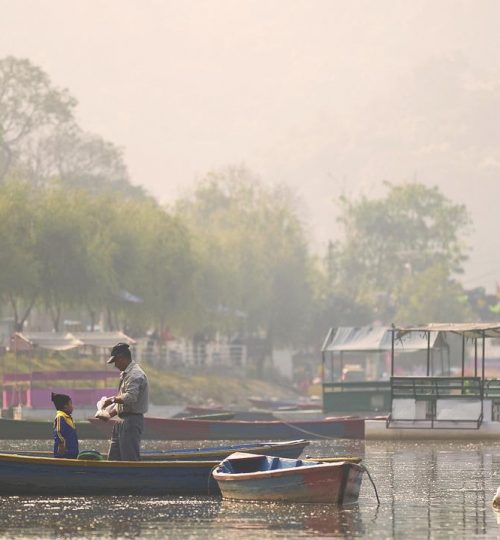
x=329 y=96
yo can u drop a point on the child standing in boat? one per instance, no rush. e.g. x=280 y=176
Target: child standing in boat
x=65 y=436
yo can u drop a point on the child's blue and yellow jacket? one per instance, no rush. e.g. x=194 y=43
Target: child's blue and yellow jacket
x=65 y=430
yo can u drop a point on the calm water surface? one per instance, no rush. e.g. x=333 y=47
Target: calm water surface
x=427 y=490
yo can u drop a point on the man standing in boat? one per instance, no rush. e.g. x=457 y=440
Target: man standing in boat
x=131 y=405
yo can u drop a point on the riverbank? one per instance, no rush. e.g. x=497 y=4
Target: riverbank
x=166 y=387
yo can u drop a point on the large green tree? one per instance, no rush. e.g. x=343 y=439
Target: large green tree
x=19 y=268
x=71 y=250
x=253 y=256
x=30 y=108
x=401 y=253
x=84 y=161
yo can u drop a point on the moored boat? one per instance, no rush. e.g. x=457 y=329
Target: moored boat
x=286 y=404
x=198 y=430
x=244 y=476
x=33 y=475
x=30 y=430
x=288 y=449
x=30 y=475
x=213 y=416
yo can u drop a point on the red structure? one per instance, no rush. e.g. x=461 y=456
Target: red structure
x=34 y=389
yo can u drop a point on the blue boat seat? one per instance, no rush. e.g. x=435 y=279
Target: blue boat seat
x=274 y=464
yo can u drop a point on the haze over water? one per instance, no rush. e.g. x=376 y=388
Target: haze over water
x=431 y=490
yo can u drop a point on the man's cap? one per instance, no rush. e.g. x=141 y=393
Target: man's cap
x=120 y=349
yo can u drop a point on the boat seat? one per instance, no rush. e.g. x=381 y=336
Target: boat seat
x=274 y=464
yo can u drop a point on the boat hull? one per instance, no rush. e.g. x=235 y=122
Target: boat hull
x=337 y=483
x=40 y=430
x=280 y=404
x=197 y=430
x=22 y=475
x=288 y=449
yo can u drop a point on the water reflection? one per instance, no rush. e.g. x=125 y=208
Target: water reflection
x=113 y=517
x=309 y=519
x=427 y=490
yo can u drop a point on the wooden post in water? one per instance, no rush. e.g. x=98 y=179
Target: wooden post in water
x=475 y=357
x=428 y=353
x=463 y=357
x=482 y=375
x=392 y=351
x=341 y=366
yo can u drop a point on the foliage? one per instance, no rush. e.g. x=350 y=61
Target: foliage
x=40 y=140
x=29 y=107
x=395 y=247
x=252 y=253
x=232 y=257
x=19 y=268
x=62 y=248
x=430 y=296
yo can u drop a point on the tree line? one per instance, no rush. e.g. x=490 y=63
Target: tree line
x=232 y=256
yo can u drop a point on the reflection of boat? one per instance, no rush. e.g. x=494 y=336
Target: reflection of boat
x=291 y=520
x=28 y=475
x=288 y=449
x=198 y=430
x=252 y=477
x=341 y=522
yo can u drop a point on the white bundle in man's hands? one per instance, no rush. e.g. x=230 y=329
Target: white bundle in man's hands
x=102 y=412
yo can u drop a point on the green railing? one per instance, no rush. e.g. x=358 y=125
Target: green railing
x=425 y=387
x=362 y=396
x=492 y=388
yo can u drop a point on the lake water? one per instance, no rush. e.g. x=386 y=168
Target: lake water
x=427 y=490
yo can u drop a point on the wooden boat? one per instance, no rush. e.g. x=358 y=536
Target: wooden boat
x=244 y=476
x=32 y=475
x=40 y=429
x=29 y=430
x=198 y=430
x=29 y=475
x=191 y=411
x=213 y=416
x=200 y=409
x=288 y=449
x=286 y=404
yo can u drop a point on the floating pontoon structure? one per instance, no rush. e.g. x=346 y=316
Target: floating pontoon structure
x=444 y=406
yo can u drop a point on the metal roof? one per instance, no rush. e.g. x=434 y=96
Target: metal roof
x=377 y=339
x=103 y=339
x=65 y=341
x=53 y=341
x=469 y=330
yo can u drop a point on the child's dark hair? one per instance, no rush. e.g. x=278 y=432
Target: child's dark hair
x=60 y=400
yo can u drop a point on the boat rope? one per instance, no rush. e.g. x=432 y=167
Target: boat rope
x=365 y=469
x=317 y=435
x=210 y=476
